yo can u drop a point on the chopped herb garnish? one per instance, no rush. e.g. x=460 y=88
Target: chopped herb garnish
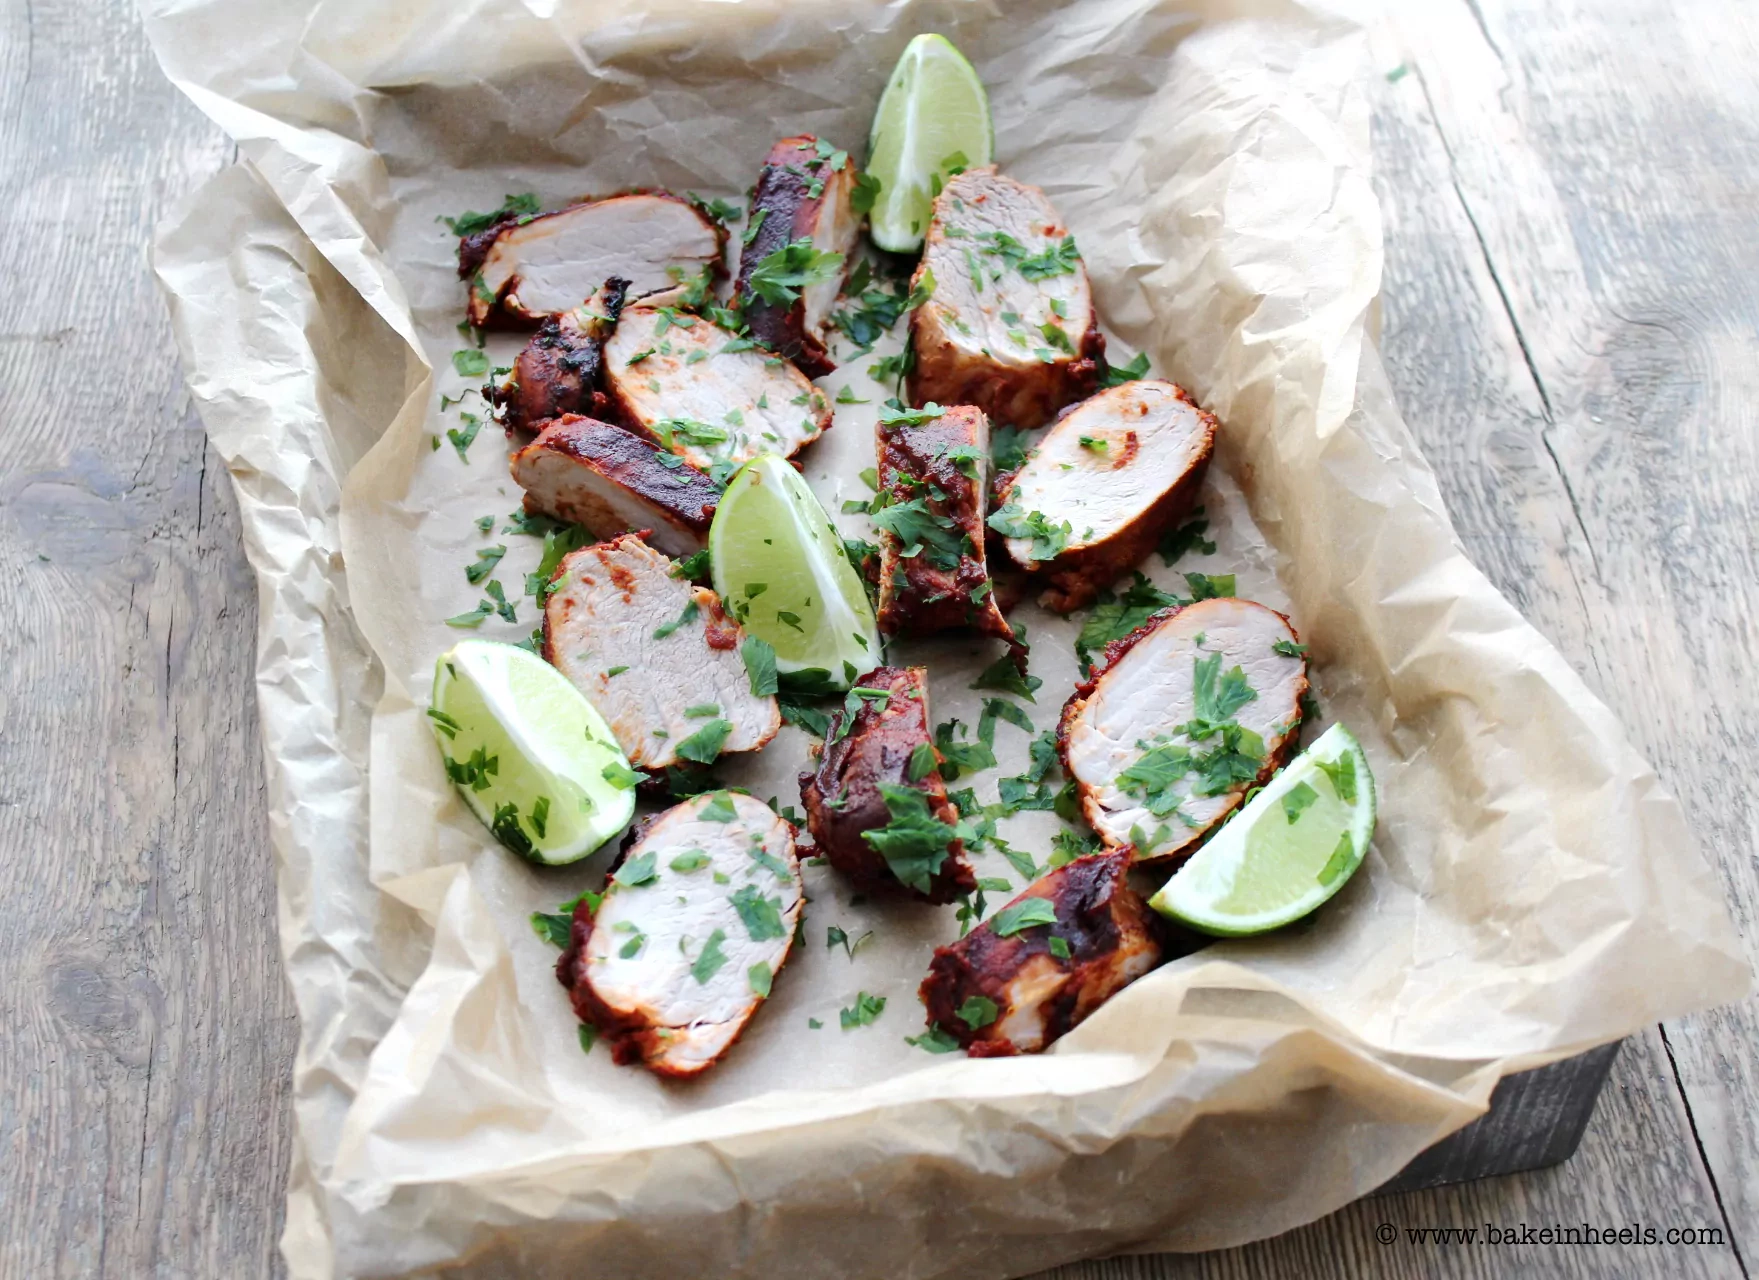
x=704 y=746
x=621 y=776
x=760 y=976
x=1116 y=375
x=470 y=363
x=762 y=916
x=1342 y=773
x=913 y=842
x=689 y=860
x=977 y=1011
x=923 y=761
x=934 y=1040
x=760 y=665
x=468 y=224
x=486 y=560
x=637 y=871
x=711 y=958
x=780 y=277
x=719 y=808
x=1048 y=540
x=1025 y=914
x=683 y=619
x=863 y=1012
x=1288 y=649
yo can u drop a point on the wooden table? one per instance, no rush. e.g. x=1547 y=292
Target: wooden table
x=1572 y=323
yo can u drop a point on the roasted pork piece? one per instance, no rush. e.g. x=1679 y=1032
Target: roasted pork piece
x=933 y=477
x=800 y=211
x=655 y=655
x=523 y=271
x=1104 y=483
x=1039 y=966
x=1010 y=325
x=875 y=804
x=697 y=918
x=705 y=393
x=614 y=481
x=1180 y=719
x=562 y=367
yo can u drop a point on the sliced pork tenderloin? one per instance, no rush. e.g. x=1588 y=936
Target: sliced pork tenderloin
x=709 y=395
x=877 y=767
x=697 y=918
x=1106 y=481
x=561 y=370
x=654 y=655
x=800 y=207
x=1010 y=325
x=1042 y=964
x=934 y=478
x=522 y=272
x=613 y=481
x=1180 y=719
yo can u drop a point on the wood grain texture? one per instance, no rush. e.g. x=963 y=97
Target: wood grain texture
x=1571 y=304
x=144 y=1069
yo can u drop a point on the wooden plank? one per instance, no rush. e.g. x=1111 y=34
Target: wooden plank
x=1584 y=390
x=149 y=1039
x=1630 y=268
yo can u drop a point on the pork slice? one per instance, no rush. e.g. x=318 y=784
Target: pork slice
x=561 y=369
x=1147 y=701
x=1114 y=473
x=934 y=572
x=696 y=920
x=522 y=272
x=705 y=393
x=1001 y=990
x=613 y=481
x=803 y=194
x=886 y=743
x=654 y=655
x=1010 y=326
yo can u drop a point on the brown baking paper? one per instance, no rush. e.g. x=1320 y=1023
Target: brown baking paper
x=1532 y=891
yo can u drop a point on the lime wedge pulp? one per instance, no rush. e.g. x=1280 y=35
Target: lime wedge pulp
x=933 y=117
x=1288 y=850
x=528 y=753
x=780 y=568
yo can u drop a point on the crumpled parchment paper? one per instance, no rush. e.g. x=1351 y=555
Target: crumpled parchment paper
x=1532 y=890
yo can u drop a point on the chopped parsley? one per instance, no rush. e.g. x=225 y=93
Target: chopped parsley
x=1005 y=677
x=780 y=277
x=1117 y=375
x=934 y=1040
x=923 y=761
x=621 y=776
x=863 y=1012
x=913 y=842
x=524 y=205
x=760 y=665
x=1210 y=586
x=1048 y=540
x=711 y=958
x=1296 y=799
x=1342 y=773
x=1025 y=914
x=704 y=746
x=719 y=808
x=689 y=860
x=1186 y=538
x=665 y=629
x=895 y=414
x=762 y=916
x=637 y=871
x=1288 y=649
x=470 y=363
x=977 y=1012
x=1116 y=616
x=759 y=976
x=486 y=560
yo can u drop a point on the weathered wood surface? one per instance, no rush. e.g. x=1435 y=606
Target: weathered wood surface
x=1572 y=299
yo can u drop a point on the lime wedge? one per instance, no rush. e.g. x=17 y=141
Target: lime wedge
x=779 y=566
x=1292 y=846
x=932 y=118
x=528 y=753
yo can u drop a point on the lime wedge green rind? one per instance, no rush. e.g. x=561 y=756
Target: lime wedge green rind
x=514 y=732
x=1293 y=846
x=779 y=567
x=934 y=107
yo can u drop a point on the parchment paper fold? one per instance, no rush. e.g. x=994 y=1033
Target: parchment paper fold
x=1532 y=890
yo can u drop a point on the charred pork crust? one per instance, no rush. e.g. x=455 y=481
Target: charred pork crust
x=656 y=241
x=1100 y=441
x=798 y=196
x=989 y=335
x=561 y=370
x=946 y=585
x=1112 y=938
x=842 y=796
x=636 y=1034
x=613 y=481
x=1279 y=747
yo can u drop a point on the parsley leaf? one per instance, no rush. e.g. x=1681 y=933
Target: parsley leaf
x=923 y=762
x=977 y=1011
x=1342 y=773
x=471 y=363
x=1025 y=914
x=704 y=746
x=1296 y=799
x=934 y=1040
x=959 y=757
x=468 y=224
x=760 y=976
x=1116 y=616
x=1048 y=540
x=1004 y=676
x=864 y=1011
x=711 y=958
x=1288 y=649
x=1186 y=538
x=719 y=808
x=760 y=665
x=913 y=842
x=780 y=277
x=762 y=916
x=637 y=871
x=1208 y=586
x=1116 y=375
